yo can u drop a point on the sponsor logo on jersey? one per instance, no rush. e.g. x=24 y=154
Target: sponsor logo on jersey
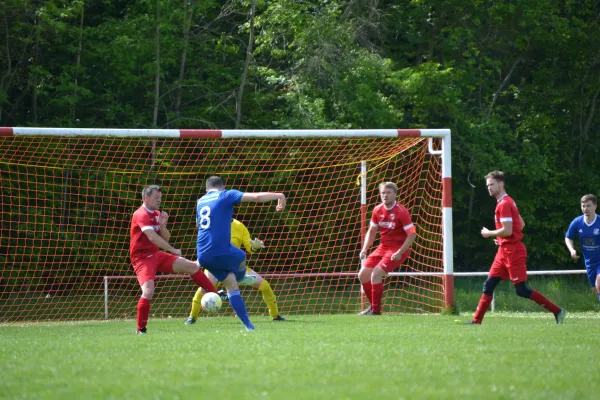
x=387 y=225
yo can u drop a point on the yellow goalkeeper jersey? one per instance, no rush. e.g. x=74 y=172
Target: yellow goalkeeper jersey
x=240 y=236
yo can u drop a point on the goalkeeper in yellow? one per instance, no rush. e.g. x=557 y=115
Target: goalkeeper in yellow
x=241 y=237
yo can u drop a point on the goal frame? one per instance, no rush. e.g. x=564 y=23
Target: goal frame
x=444 y=152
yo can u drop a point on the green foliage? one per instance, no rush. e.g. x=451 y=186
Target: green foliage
x=518 y=84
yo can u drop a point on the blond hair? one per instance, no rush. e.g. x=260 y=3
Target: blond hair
x=388 y=185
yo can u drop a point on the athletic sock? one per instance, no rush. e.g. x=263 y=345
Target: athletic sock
x=368 y=289
x=544 y=302
x=143 y=310
x=269 y=298
x=236 y=301
x=202 y=280
x=196 y=305
x=482 y=307
x=377 y=294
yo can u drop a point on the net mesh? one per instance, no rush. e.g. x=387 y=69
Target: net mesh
x=66 y=208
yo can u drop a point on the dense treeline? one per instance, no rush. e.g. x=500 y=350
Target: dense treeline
x=518 y=82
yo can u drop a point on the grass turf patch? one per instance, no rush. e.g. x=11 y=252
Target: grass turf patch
x=512 y=355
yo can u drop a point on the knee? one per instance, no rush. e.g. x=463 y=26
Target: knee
x=185 y=266
x=489 y=285
x=148 y=292
x=364 y=275
x=230 y=283
x=523 y=290
x=377 y=275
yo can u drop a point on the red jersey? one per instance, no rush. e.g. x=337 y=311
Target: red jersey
x=140 y=246
x=394 y=224
x=507 y=211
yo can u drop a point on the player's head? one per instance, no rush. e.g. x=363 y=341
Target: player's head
x=495 y=183
x=589 y=202
x=214 y=183
x=151 y=196
x=387 y=192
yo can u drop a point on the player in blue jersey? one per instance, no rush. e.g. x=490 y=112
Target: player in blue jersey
x=587 y=228
x=224 y=262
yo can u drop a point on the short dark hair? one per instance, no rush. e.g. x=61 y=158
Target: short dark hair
x=497 y=175
x=590 y=197
x=214 y=182
x=148 y=190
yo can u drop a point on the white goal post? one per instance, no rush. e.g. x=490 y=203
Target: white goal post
x=444 y=152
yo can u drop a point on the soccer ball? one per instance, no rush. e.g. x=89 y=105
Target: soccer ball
x=211 y=302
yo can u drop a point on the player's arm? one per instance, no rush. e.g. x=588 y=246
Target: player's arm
x=411 y=234
x=160 y=242
x=164 y=233
x=243 y=233
x=407 y=244
x=506 y=221
x=262 y=197
x=522 y=222
x=571 y=247
x=571 y=233
x=369 y=239
x=505 y=231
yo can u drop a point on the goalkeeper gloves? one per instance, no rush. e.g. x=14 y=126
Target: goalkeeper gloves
x=256 y=244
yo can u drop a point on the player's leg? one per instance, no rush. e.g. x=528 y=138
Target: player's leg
x=487 y=295
x=143 y=307
x=267 y=294
x=377 y=288
x=183 y=265
x=516 y=262
x=594 y=278
x=196 y=301
x=364 y=276
x=236 y=301
x=385 y=266
x=145 y=271
x=498 y=272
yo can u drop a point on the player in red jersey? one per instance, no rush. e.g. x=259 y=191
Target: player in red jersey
x=397 y=235
x=149 y=234
x=510 y=260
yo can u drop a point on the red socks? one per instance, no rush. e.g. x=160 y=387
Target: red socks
x=143 y=310
x=202 y=280
x=368 y=289
x=484 y=303
x=376 y=301
x=544 y=302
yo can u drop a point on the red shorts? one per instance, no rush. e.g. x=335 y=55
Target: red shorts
x=510 y=262
x=146 y=268
x=382 y=258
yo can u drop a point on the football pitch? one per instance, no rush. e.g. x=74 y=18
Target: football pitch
x=512 y=355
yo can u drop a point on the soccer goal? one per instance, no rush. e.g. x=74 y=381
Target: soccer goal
x=68 y=195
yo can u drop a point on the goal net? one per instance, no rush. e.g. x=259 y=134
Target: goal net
x=68 y=196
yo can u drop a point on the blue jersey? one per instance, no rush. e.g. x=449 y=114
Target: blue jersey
x=589 y=237
x=214 y=213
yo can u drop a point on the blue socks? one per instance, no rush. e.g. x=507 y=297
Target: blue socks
x=236 y=301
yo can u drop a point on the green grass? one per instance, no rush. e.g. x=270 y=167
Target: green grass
x=512 y=355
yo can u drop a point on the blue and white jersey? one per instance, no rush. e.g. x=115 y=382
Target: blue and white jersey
x=589 y=237
x=214 y=213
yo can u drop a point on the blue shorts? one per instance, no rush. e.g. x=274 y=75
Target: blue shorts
x=222 y=265
x=592 y=273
